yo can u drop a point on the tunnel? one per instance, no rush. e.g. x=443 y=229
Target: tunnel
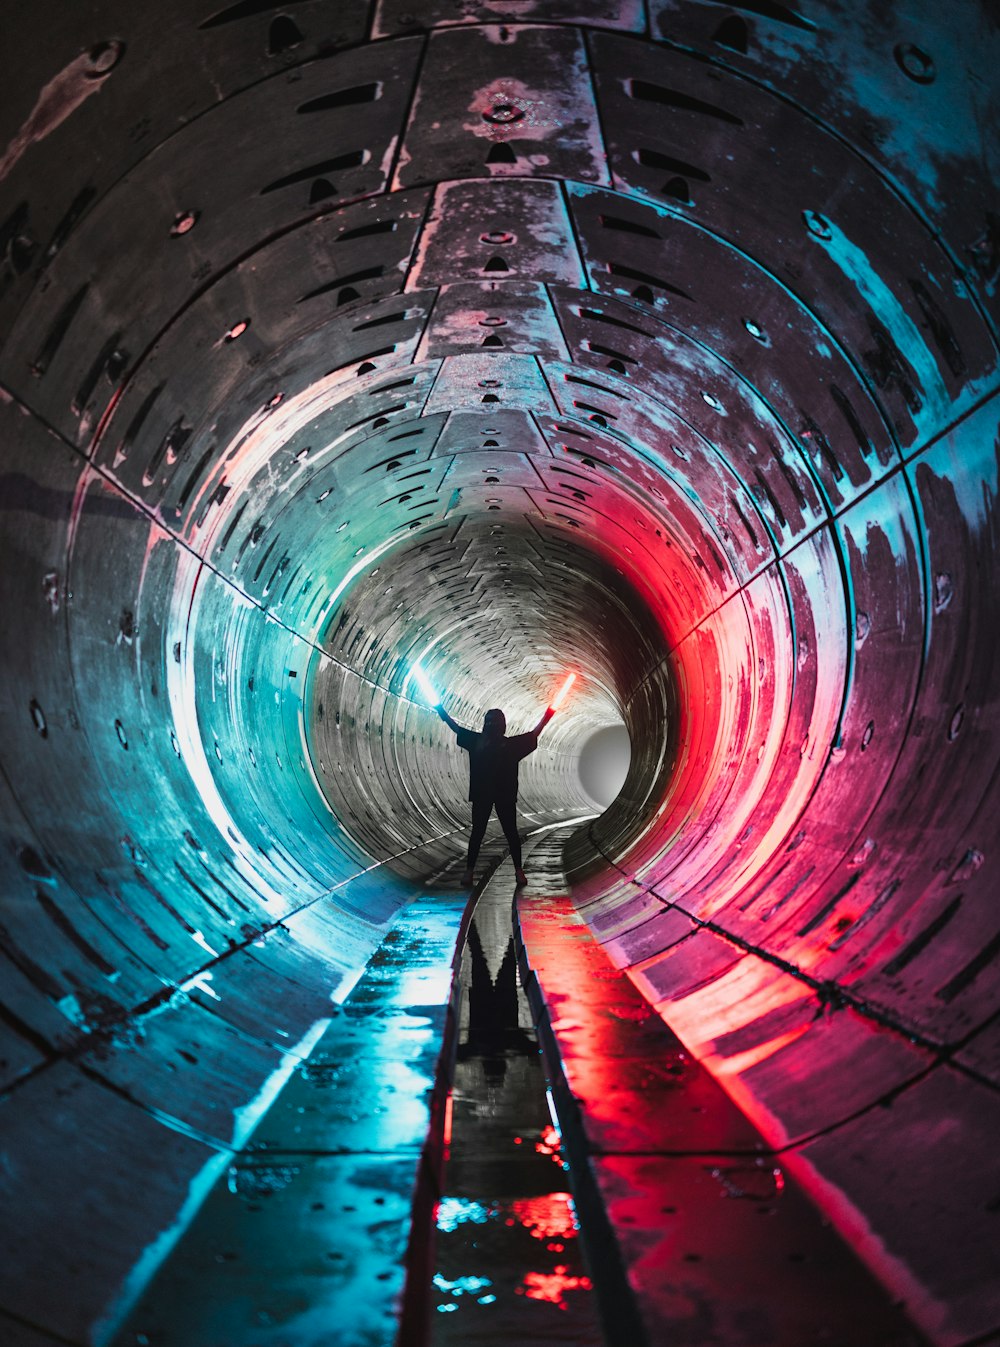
x=652 y=340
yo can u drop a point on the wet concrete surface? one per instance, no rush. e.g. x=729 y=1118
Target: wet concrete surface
x=304 y=1239
x=509 y=1265
x=702 y=1235
x=410 y=1185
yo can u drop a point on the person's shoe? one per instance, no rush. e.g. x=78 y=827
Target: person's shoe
x=521 y=878
x=466 y=879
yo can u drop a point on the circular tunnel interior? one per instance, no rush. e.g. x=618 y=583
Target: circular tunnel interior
x=654 y=343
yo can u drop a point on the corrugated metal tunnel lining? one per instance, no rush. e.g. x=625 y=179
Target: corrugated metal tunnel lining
x=659 y=342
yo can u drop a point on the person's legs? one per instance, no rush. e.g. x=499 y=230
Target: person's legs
x=481 y=810
x=507 y=814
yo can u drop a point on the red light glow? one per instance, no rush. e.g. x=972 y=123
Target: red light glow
x=551 y=1216
x=552 y=1286
x=448 y=1109
x=548 y=1145
x=560 y=696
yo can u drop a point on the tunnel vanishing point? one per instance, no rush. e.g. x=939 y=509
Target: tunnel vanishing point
x=654 y=339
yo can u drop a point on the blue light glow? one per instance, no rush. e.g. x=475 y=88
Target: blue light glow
x=425 y=685
x=455 y=1211
x=462 y=1285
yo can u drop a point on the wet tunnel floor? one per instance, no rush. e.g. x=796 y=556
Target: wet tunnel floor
x=318 y=1232
x=300 y=1238
x=697 y=1232
x=509 y=1264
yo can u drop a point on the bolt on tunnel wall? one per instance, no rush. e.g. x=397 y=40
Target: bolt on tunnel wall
x=653 y=340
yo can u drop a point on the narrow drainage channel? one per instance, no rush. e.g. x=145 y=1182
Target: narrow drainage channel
x=509 y=1263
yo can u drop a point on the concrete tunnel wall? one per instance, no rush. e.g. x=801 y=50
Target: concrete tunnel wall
x=657 y=342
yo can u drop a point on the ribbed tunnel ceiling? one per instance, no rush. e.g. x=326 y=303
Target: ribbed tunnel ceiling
x=658 y=343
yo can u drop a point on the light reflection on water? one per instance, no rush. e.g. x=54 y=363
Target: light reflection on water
x=550 y=1218
x=510 y=1267
x=455 y=1211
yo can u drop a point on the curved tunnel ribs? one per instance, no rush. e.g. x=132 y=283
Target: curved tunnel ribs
x=661 y=346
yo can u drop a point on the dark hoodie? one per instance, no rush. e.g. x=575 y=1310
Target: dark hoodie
x=493 y=757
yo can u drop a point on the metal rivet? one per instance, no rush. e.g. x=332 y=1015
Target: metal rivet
x=915 y=63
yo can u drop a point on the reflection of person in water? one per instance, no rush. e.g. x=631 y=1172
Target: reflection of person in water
x=493 y=760
x=494 y=1032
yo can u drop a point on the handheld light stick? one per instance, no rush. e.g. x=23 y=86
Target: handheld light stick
x=560 y=696
x=425 y=685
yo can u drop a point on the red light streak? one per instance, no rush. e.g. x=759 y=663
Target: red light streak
x=560 y=696
x=448 y=1108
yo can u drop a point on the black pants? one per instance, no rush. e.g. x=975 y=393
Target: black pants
x=507 y=814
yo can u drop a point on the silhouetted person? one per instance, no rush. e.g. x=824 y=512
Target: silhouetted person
x=493 y=760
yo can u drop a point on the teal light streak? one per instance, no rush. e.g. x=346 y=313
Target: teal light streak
x=425 y=685
x=856 y=266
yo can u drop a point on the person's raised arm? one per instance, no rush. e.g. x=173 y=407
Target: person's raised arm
x=546 y=717
x=452 y=724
